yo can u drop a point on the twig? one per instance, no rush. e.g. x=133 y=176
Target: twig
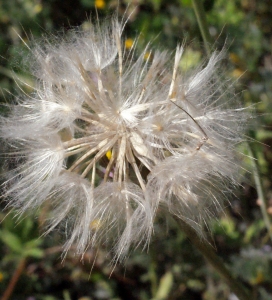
x=9 y=290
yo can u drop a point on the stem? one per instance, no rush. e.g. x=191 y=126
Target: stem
x=14 y=279
x=203 y=246
x=259 y=188
x=214 y=260
x=202 y=23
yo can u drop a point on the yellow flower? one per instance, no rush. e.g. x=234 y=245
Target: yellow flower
x=147 y=55
x=1 y=276
x=237 y=73
x=38 y=8
x=95 y=224
x=128 y=43
x=100 y=4
x=259 y=278
x=108 y=154
x=234 y=58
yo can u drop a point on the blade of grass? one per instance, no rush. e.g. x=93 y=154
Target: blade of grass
x=202 y=24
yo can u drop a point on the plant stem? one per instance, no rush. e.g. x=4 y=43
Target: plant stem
x=259 y=188
x=14 y=279
x=214 y=260
x=202 y=23
x=203 y=246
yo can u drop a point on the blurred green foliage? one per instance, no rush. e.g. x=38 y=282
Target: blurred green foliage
x=22 y=239
x=172 y=268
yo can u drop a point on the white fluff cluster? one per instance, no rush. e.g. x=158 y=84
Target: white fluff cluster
x=108 y=137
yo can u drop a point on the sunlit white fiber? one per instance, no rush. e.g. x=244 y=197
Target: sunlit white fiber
x=107 y=137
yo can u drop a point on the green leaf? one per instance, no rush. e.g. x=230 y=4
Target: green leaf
x=156 y=4
x=165 y=286
x=33 y=243
x=35 y=252
x=11 y=240
x=254 y=230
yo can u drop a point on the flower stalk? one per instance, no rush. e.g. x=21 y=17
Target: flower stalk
x=259 y=188
x=204 y=29
x=214 y=260
x=202 y=23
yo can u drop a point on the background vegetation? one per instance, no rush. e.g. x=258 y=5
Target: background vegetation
x=31 y=266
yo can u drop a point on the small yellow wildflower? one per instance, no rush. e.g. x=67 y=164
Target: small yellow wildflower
x=38 y=8
x=147 y=55
x=259 y=278
x=129 y=43
x=1 y=276
x=235 y=59
x=100 y=4
x=108 y=154
x=237 y=73
x=95 y=224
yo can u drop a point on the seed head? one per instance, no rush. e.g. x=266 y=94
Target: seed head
x=106 y=137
